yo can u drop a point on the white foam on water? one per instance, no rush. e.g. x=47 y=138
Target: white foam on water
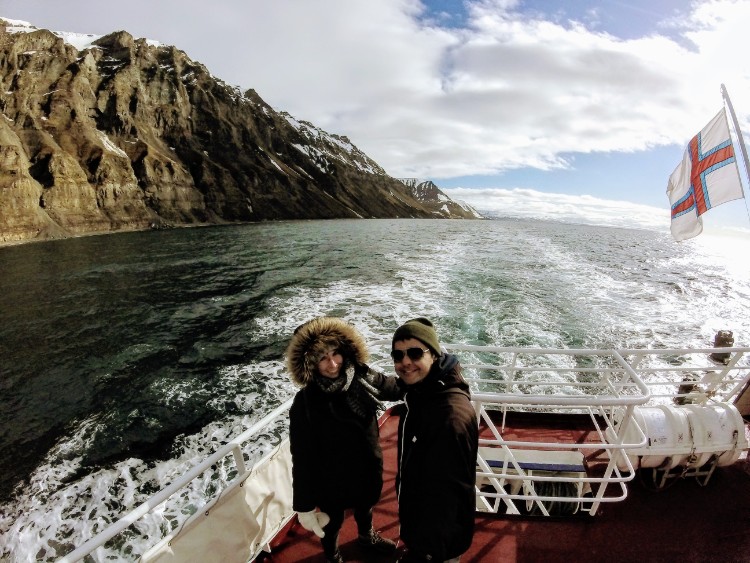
x=375 y=310
x=58 y=510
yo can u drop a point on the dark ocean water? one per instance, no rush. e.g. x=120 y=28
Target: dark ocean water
x=124 y=358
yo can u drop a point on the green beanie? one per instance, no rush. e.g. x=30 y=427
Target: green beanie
x=421 y=329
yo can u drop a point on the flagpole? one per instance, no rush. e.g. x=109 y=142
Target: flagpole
x=738 y=131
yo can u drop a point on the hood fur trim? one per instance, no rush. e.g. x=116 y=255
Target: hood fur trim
x=314 y=338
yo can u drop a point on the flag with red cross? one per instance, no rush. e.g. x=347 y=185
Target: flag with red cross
x=706 y=177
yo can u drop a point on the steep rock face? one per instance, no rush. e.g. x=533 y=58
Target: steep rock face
x=128 y=135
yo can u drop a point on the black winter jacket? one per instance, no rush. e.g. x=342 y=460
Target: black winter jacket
x=336 y=458
x=437 y=446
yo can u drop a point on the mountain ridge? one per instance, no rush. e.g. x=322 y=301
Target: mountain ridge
x=128 y=134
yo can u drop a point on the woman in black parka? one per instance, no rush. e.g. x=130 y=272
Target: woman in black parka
x=337 y=463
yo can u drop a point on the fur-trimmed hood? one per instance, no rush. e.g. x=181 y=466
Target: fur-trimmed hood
x=314 y=338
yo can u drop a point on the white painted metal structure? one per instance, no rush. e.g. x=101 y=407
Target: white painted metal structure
x=616 y=389
x=612 y=387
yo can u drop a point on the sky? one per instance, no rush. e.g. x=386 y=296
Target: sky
x=574 y=110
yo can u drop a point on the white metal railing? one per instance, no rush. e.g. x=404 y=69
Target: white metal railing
x=517 y=479
x=234 y=447
x=524 y=374
x=702 y=380
x=606 y=385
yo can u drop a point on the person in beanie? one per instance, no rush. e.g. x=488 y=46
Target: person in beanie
x=437 y=448
x=337 y=463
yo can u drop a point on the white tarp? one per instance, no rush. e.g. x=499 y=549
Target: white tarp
x=241 y=522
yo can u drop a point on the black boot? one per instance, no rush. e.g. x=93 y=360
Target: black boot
x=375 y=542
x=335 y=557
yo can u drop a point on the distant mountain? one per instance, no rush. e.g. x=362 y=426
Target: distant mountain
x=428 y=193
x=115 y=133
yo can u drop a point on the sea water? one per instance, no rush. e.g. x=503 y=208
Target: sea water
x=126 y=359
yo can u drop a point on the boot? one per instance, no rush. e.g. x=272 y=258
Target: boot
x=335 y=557
x=375 y=542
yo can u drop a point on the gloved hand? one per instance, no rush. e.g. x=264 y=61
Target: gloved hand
x=314 y=521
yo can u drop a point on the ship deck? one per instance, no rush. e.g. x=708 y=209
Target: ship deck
x=684 y=521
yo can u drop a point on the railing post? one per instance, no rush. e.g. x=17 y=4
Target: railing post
x=239 y=460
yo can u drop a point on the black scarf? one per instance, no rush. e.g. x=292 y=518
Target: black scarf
x=358 y=391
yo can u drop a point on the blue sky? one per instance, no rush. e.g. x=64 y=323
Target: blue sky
x=575 y=110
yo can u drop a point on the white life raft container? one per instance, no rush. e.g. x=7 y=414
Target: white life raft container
x=684 y=435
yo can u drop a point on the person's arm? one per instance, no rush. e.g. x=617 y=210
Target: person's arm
x=388 y=388
x=301 y=441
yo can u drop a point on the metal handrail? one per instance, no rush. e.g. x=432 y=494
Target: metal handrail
x=232 y=447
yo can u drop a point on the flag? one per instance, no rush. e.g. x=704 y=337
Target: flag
x=706 y=177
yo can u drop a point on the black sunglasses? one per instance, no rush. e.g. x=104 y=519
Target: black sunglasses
x=413 y=353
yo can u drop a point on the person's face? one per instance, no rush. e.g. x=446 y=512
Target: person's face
x=329 y=364
x=412 y=371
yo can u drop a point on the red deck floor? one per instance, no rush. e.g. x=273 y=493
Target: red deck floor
x=683 y=523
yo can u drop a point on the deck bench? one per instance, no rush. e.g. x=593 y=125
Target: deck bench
x=557 y=461
x=568 y=465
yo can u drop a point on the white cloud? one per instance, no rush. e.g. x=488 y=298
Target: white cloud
x=507 y=91
x=721 y=223
x=586 y=209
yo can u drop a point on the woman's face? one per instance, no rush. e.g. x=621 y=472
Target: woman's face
x=413 y=371
x=329 y=364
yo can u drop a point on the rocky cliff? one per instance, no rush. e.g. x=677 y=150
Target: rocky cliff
x=126 y=134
